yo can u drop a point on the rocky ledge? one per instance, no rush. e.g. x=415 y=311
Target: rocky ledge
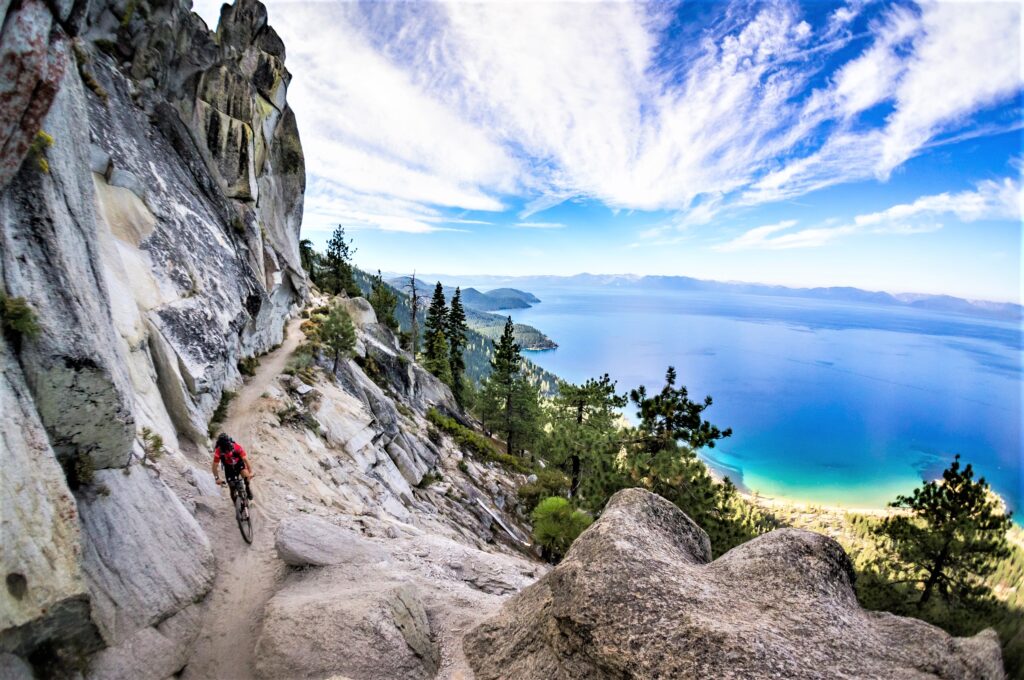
x=639 y=597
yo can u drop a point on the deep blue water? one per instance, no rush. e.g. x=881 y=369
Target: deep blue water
x=829 y=402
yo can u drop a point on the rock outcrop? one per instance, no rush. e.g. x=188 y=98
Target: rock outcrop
x=391 y=604
x=637 y=597
x=151 y=181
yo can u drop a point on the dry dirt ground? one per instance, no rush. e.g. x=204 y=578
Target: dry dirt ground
x=247 y=575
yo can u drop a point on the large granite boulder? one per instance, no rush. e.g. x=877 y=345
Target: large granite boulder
x=637 y=597
x=321 y=626
x=308 y=541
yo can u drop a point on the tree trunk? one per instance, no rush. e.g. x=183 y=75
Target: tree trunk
x=933 y=575
x=575 y=475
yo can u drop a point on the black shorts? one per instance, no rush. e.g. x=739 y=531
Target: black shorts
x=232 y=470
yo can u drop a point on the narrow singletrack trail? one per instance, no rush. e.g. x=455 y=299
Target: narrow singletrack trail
x=246 y=574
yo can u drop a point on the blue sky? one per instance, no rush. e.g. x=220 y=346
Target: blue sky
x=850 y=143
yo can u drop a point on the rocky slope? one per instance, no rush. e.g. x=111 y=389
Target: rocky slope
x=637 y=596
x=152 y=226
x=154 y=258
x=153 y=229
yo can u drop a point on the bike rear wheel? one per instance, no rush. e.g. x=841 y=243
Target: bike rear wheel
x=243 y=516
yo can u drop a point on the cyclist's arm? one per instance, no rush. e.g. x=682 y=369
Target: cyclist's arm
x=245 y=459
x=215 y=467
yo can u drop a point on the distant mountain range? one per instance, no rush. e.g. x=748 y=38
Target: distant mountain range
x=1006 y=311
x=492 y=300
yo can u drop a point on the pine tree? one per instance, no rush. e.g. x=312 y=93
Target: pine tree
x=437 y=359
x=414 y=302
x=585 y=439
x=952 y=537
x=338 y=334
x=337 y=275
x=384 y=300
x=662 y=457
x=456 y=335
x=308 y=258
x=508 y=401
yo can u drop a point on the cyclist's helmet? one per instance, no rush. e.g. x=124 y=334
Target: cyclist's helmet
x=224 y=442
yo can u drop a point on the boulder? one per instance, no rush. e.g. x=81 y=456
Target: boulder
x=308 y=541
x=322 y=625
x=637 y=597
x=145 y=655
x=145 y=557
x=360 y=310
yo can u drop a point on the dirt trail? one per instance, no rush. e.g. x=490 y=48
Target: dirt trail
x=246 y=574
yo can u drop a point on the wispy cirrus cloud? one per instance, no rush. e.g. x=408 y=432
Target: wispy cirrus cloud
x=409 y=112
x=991 y=199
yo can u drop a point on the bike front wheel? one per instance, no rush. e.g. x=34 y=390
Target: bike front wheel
x=244 y=517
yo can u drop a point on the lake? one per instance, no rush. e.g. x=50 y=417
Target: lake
x=834 y=403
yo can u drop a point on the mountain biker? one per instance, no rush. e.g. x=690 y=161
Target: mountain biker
x=231 y=454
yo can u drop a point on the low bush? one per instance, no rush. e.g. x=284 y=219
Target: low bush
x=476 y=443
x=247 y=366
x=292 y=416
x=556 y=524
x=220 y=413
x=550 y=482
x=19 y=319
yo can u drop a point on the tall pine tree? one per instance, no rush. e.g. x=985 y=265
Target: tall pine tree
x=337 y=276
x=384 y=300
x=456 y=334
x=437 y=355
x=508 y=402
x=585 y=439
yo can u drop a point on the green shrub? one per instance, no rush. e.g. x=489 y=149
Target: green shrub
x=19 y=319
x=248 y=365
x=556 y=524
x=550 y=482
x=476 y=443
x=220 y=413
x=38 y=148
x=152 y=445
x=463 y=467
x=431 y=477
x=293 y=416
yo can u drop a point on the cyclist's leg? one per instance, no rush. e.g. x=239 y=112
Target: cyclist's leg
x=230 y=473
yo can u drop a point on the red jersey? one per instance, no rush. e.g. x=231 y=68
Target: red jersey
x=236 y=454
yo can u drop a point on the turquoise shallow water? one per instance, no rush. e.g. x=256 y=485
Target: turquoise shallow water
x=830 y=402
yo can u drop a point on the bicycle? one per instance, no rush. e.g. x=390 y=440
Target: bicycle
x=241 y=501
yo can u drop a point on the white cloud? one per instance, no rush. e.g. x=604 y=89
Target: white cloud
x=420 y=110
x=540 y=225
x=990 y=200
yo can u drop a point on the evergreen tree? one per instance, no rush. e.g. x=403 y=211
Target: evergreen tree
x=508 y=401
x=457 y=328
x=662 y=457
x=437 y=359
x=338 y=334
x=414 y=304
x=953 y=534
x=337 y=275
x=585 y=439
x=308 y=258
x=556 y=525
x=384 y=300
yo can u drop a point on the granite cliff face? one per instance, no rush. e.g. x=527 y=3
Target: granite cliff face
x=151 y=181
x=638 y=596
